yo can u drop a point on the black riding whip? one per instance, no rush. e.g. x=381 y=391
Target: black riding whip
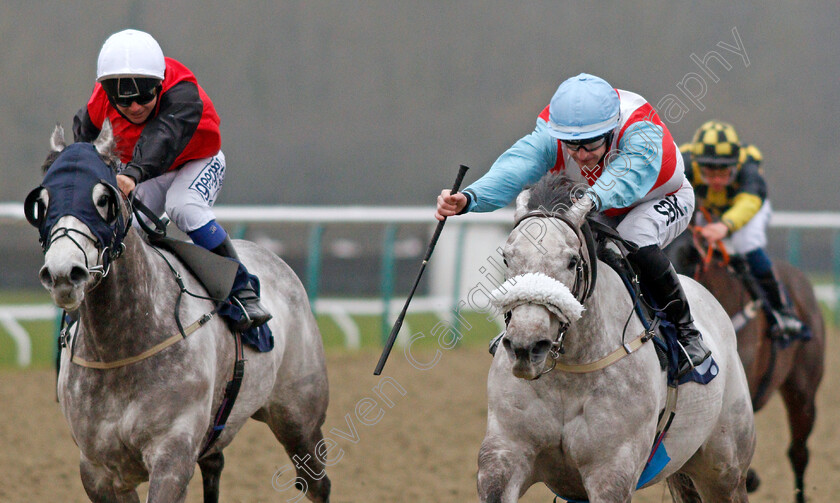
x=398 y=324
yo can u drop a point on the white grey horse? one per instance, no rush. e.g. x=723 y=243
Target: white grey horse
x=582 y=422
x=148 y=420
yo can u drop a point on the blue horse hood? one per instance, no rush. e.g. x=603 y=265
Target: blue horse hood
x=70 y=181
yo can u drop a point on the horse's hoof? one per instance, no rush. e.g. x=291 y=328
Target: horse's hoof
x=752 y=481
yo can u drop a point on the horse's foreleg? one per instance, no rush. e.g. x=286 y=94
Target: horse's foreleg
x=211 y=473
x=170 y=470
x=100 y=487
x=502 y=471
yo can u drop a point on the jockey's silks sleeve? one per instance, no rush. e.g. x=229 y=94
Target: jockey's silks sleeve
x=743 y=197
x=184 y=126
x=523 y=164
x=744 y=207
x=628 y=177
x=631 y=170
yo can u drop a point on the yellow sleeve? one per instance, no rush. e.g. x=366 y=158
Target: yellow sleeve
x=744 y=207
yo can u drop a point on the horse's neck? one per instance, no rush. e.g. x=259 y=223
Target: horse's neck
x=599 y=330
x=120 y=314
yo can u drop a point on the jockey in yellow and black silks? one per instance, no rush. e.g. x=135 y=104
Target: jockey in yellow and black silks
x=728 y=182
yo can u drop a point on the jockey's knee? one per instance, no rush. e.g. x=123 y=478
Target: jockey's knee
x=759 y=262
x=190 y=216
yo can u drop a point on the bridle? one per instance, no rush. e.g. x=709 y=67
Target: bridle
x=36 y=214
x=585 y=274
x=585 y=269
x=106 y=254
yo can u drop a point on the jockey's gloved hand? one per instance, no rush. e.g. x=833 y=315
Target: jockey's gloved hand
x=585 y=200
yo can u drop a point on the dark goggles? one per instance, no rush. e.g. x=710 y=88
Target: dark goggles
x=589 y=145
x=123 y=91
x=716 y=167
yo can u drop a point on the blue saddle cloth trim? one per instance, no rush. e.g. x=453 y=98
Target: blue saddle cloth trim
x=702 y=374
x=659 y=459
x=259 y=338
x=657 y=462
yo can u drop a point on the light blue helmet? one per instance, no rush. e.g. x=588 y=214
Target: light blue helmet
x=583 y=107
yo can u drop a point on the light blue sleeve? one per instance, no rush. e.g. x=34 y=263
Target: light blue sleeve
x=632 y=169
x=523 y=164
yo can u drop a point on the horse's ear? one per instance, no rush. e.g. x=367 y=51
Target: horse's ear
x=104 y=143
x=577 y=213
x=57 y=142
x=521 y=204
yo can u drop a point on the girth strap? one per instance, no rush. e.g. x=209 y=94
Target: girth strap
x=229 y=398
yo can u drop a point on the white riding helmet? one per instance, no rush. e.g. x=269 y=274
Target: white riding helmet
x=130 y=53
x=583 y=107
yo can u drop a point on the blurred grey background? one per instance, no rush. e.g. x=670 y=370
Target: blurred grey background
x=377 y=102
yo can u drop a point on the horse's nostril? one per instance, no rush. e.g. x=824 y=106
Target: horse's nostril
x=45 y=277
x=78 y=275
x=541 y=347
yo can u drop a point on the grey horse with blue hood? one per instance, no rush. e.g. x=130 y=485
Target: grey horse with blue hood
x=139 y=390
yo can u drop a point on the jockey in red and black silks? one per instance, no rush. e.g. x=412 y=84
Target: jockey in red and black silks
x=184 y=126
x=167 y=133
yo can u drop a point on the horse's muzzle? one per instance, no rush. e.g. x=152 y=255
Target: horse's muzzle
x=65 y=284
x=529 y=359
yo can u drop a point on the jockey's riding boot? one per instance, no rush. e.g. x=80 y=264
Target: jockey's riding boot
x=785 y=320
x=661 y=280
x=671 y=297
x=494 y=344
x=249 y=301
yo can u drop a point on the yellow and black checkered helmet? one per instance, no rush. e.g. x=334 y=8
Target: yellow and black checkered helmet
x=716 y=144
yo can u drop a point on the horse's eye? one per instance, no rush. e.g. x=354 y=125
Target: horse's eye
x=102 y=201
x=573 y=262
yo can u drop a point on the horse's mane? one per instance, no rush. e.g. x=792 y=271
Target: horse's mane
x=552 y=192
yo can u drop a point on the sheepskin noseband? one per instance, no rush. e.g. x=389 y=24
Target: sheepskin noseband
x=537 y=288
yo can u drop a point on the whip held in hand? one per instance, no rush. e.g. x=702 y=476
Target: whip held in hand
x=398 y=324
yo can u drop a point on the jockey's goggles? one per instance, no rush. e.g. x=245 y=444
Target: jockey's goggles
x=123 y=91
x=589 y=145
x=716 y=167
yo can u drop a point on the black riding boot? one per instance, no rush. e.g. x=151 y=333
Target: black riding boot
x=786 y=321
x=663 y=284
x=255 y=314
x=767 y=290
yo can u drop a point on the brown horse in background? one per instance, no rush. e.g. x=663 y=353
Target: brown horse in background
x=794 y=368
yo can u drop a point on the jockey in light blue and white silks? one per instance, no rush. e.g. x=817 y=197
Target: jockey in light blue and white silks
x=644 y=165
x=614 y=142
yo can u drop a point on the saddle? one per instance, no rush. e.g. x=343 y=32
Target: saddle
x=218 y=275
x=612 y=249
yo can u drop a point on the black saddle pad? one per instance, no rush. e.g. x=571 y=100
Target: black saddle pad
x=216 y=273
